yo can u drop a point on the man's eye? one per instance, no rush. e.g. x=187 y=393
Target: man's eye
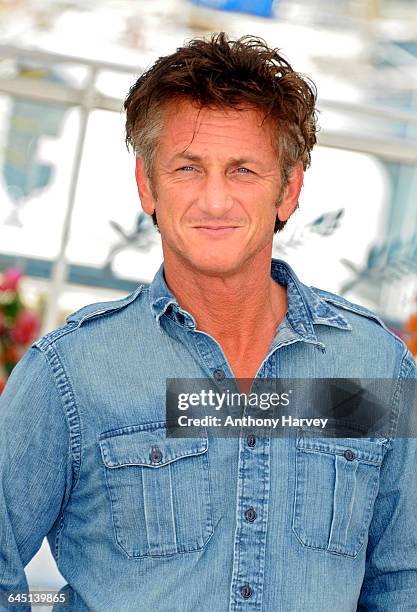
x=186 y=168
x=243 y=170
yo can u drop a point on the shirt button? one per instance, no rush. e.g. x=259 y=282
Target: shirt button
x=155 y=455
x=349 y=454
x=250 y=515
x=251 y=440
x=219 y=374
x=246 y=591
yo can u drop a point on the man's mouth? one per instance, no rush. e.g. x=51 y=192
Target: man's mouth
x=216 y=231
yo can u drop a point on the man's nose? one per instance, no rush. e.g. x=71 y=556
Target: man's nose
x=215 y=198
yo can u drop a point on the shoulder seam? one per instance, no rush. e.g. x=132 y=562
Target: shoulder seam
x=358 y=309
x=339 y=300
x=405 y=366
x=65 y=392
x=48 y=339
x=112 y=306
x=407 y=362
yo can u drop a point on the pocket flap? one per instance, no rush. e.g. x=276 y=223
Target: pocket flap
x=363 y=449
x=147 y=445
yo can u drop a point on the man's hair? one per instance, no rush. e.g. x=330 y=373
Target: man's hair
x=227 y=74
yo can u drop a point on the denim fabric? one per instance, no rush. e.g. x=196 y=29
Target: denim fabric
x=84 y=413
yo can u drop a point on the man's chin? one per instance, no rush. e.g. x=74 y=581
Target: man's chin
x=217 y=260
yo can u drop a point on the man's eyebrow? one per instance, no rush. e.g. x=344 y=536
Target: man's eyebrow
x=197 y=158
x=185 y=155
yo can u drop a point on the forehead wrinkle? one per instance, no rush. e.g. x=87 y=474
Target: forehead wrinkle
x=217 y=129
x=184 y=140
x=184 y=144
x=202 y=126
x=198 y=128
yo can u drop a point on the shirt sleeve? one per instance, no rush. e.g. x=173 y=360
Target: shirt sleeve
x=390 y=581
x=35 y=467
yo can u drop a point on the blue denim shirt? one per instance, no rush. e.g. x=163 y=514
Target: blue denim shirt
x=86 y=405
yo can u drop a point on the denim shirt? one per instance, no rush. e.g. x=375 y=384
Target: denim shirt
x=220 y=524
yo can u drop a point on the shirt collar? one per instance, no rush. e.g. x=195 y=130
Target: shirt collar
x=162 y=299
x=305 y=307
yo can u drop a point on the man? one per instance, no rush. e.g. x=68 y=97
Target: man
x=140 y=521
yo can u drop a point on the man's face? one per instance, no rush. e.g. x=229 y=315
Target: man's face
x=216 y=185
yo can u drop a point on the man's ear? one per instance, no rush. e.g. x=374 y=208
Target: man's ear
x=291 y=193
x=144 y=189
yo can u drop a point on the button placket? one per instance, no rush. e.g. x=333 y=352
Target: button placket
x=250 y=535
x=253 y=485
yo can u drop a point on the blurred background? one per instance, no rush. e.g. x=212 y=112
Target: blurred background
x=71 y=231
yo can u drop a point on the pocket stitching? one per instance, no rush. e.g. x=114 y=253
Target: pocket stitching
x=371 y=500
x=340 y=453
x=208 y=530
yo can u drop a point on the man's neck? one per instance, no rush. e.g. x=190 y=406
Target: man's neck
x=241 y=311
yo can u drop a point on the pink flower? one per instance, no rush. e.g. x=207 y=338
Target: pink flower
x=10 y=280
x=25 y=328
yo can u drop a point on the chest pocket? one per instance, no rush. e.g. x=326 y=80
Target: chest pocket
x=337 y=481
x=159 y=490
